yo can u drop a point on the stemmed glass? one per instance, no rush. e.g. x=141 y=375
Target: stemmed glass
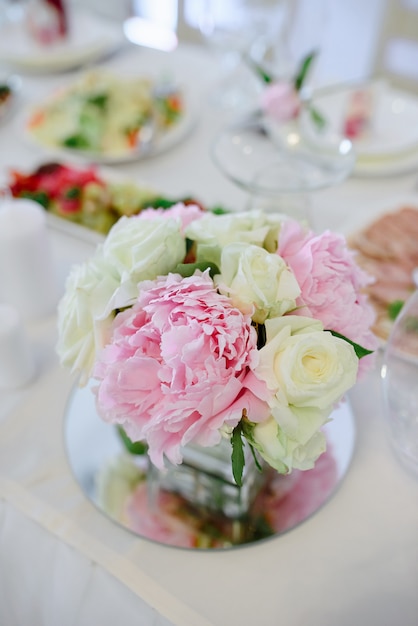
x=229 y=29
x=400 y=383
x=281 y=178
x=297 y=29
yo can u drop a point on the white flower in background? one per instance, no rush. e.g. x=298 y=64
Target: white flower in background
x=82 y=313
x=134 y=250
x=142 y=249
x=213 y=232
x=251 y=276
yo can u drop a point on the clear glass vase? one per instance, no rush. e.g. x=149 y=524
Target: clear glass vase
x=205 y=483
x=400 y=384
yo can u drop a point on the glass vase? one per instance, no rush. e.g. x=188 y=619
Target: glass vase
x=400 y=384
x=204 y=482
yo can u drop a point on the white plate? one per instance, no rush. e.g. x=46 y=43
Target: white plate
x=391 y=166
x=90 y=37
x=72 y=229
x=394 y=123
x=163 y=141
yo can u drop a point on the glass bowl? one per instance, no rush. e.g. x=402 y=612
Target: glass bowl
x=268 y=159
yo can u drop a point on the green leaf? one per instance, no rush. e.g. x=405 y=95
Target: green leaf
x=256 y=461
x=303 y=70
x=134 y=447
x=76 y=141
x=394 y=308
x=317 y=118
x=237 y=457
x=188 y=269
x=265 y=77
x=5 y=91
x=41 y=197
x=161 y=202
x=219 y=210
x=261 y=335
x=73 y=193
x=263 y=74
x=359 y=350
x=99 y=100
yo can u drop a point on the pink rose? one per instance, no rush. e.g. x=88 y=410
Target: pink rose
x=330 y=282
x=186 y=213
x=281 y=101
x=178 y=367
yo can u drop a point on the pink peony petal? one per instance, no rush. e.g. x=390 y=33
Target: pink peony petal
x=176 y=368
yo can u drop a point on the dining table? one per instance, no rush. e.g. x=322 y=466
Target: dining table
x=62 y=561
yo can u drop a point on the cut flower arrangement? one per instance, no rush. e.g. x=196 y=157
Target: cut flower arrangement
x=283 y=100
x=198 y=327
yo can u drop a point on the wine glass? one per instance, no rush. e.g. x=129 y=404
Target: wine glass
x=298 y=28
x=399 y=376
x=281 y=177
x=229 y=29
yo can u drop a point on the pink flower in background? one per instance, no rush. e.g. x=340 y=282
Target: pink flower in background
x=187 y=213
x=281 y=101
x=178 y=367
x=330 y=281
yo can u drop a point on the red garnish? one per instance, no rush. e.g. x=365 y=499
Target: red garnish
x=60 y=183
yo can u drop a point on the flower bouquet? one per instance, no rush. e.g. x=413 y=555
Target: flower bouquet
x=199 y=328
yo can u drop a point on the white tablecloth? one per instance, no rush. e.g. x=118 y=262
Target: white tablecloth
x=62 y=562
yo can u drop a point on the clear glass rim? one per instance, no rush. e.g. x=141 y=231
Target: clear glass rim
x=332 y=170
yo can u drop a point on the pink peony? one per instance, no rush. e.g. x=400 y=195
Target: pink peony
x=281 y=102
x=187 y=213
x=178 y=367
x=330 y=282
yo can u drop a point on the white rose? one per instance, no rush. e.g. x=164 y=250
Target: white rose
x=306 y=366
x=308 y=370
x=213 y=232
x=134 y=250
x=252 y=276
x=282 y=452
x=142 y=249
x=83 y=320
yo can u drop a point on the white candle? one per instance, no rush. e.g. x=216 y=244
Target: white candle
x=27 y=272
x=17 y=366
